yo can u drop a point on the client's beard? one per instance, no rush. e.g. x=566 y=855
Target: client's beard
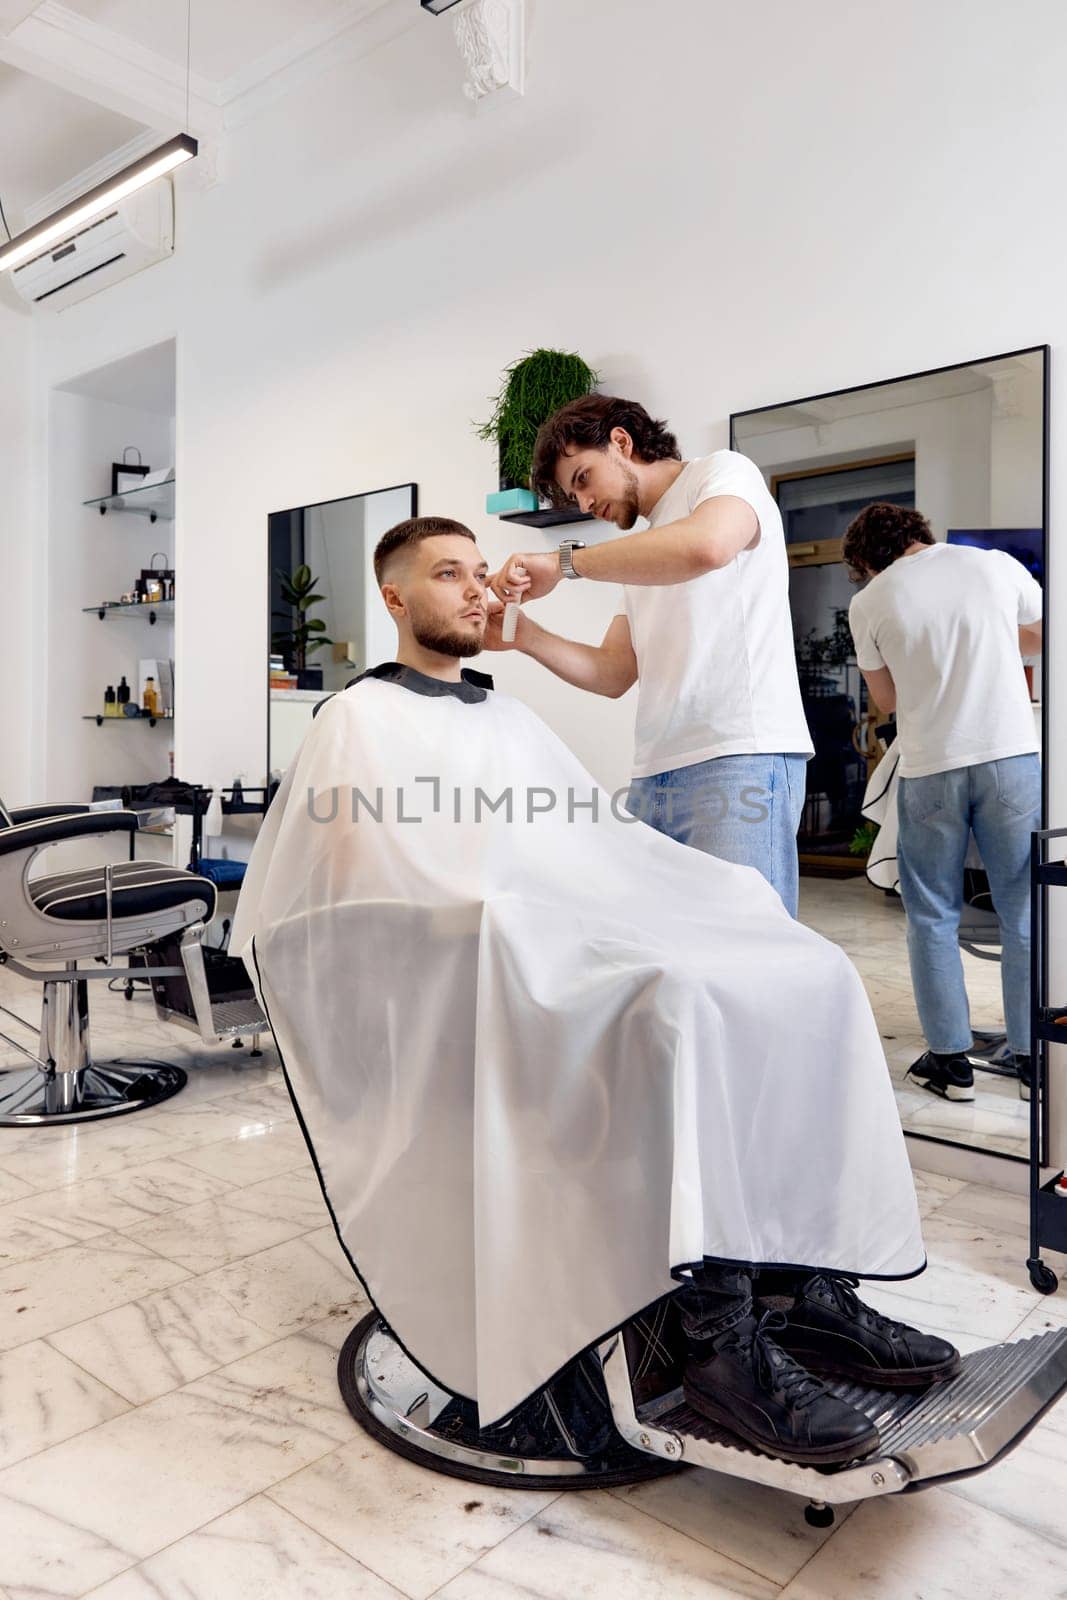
x=445 y=643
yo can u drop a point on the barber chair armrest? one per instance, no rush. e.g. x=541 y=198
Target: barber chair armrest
x=53 y=829
x=39 y=813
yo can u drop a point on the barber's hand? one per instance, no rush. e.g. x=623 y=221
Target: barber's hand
x=494 y=623
x=526 y=577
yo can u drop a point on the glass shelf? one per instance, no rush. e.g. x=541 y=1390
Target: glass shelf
x=130 y=722
x=156 y=502
x=152 y=609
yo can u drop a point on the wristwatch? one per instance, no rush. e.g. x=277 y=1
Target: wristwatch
x=566 y=565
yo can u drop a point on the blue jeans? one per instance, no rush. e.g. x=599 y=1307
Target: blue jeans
x=1000 y=802
x=744 y=809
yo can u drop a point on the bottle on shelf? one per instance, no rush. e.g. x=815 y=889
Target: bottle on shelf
x=110 y=705
x=150 y=698
x=122 y=696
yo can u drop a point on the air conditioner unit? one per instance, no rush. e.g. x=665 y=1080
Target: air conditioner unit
x=135 y=233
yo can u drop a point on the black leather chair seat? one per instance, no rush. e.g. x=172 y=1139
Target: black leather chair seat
x=138 y=888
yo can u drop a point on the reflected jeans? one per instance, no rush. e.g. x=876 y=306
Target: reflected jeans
x=1000 y=802
x=744 y=809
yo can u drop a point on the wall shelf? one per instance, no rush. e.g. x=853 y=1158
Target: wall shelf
x=130 y=722
x=156 y=502
x=154 y=610
x=547 y=517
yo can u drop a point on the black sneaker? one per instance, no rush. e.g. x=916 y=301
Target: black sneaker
x=1025 y=1071
x=949 y=1076
x=746 y=1383
x=833 y=1333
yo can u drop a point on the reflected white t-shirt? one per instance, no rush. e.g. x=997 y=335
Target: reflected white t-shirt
x=945 y=621
x=717 y=671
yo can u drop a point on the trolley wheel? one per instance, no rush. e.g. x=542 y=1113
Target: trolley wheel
x=819 y=1516
x=1043 y=1278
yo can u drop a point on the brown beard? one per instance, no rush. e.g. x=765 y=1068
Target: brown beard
x=629 y=509
x=445 y=643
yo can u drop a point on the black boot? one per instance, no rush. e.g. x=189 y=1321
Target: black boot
x=742 y=1380
x=950 y=1076
x=832 y=1332
x=1025 y=1071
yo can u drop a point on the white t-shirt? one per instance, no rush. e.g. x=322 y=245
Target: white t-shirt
x=945 y=621
x=717 y=672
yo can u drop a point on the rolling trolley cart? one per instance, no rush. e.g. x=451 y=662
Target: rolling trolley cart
x=1048 y=1025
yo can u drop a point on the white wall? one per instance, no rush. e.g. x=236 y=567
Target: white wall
x=19 y=544
x=720 y=206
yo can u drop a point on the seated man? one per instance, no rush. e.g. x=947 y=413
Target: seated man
x=550 y=1062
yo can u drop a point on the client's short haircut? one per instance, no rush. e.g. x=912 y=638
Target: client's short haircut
x=880 y=534
x=412 y=532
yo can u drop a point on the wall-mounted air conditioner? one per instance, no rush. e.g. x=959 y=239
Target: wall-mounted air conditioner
x=134 y=233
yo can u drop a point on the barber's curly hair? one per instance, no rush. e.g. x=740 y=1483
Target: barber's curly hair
x=880 y=534
x=586 y=424
x=411 y=532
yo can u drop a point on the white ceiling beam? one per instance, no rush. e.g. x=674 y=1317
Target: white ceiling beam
x=57 y=45
x=12 y=12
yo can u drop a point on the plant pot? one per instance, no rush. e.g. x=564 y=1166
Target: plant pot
x=309 y=678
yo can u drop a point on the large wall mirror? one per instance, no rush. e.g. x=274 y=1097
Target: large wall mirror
x=327 y=623
x=967 y=446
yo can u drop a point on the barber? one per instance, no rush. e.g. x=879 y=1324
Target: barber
x=940 y=632
x=721 y=740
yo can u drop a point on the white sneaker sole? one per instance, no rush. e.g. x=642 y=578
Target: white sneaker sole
x=951 y=1091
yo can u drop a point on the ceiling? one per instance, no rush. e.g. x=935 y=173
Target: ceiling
x=87 y=86
x=899 y=393
x=144 y=381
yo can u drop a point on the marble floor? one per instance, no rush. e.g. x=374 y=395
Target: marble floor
x=869 y=925
x=172 y=1299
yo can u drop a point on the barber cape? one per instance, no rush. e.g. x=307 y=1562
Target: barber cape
x=544 y=1055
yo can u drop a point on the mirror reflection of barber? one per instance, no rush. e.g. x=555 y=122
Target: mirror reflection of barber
x=721 y=740
x=940 y=633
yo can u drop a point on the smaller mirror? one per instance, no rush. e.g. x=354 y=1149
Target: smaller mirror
x=326 y=620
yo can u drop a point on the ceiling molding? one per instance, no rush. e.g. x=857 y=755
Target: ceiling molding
x=51 y=42
x=54 y=43
x=12 y=12
x=362 y=27
x=110 y=70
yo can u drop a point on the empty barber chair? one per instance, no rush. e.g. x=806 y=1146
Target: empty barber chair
x=66 y=929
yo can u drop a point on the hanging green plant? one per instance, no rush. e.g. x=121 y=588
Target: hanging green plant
x=534 y=388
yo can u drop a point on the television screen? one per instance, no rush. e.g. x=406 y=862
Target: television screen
x=1025 y=544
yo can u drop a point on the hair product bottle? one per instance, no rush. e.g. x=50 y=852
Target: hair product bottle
x=110 y=708
x=150 y=699
x=122 y=696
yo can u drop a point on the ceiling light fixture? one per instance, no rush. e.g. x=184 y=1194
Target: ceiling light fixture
x=24 y=246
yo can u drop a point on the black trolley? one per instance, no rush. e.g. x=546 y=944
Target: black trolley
x=1048 y=1025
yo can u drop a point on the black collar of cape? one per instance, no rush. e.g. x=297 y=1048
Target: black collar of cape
x=474 y=686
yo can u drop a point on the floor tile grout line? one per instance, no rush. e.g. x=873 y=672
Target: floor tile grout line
x=289 y=1512
x=189 y=1277
x=525 y=1523
x=733 y=1560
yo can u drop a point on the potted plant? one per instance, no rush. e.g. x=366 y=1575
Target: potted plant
x=534 y=387
x=305 y=633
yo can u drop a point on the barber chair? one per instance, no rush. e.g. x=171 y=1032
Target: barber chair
x=617 y=1415
x=66 y=929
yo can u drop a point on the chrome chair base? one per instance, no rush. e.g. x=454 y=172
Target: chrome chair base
x=564 y=1437
x=30 y=1096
